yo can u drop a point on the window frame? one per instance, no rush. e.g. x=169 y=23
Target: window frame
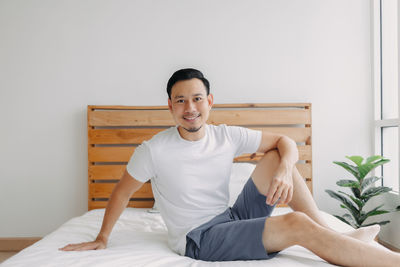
x=379 y=122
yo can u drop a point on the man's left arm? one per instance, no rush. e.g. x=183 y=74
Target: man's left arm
x=281 y=186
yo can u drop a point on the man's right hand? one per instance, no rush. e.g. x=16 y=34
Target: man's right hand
x=118 y=201
x=94 y=245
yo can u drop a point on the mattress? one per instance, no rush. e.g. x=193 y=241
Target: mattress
x=139 y=238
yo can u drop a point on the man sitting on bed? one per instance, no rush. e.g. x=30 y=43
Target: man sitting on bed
x=189 y=166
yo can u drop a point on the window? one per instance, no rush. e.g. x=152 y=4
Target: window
x=386 y=87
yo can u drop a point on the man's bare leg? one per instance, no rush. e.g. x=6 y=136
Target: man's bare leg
x=302 y=199
x=297 y=228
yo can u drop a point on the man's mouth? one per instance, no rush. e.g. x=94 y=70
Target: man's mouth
x=191 y=117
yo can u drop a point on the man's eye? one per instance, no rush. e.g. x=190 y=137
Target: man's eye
x=197 y=99
x=180 y=101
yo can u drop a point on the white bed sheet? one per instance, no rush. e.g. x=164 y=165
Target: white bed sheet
x=139 y=238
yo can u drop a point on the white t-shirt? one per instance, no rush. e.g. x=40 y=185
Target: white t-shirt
x=190 y=179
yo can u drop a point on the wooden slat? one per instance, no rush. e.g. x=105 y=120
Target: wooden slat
x=123 y=154
x=262 y=105
x=114 y=172
x=249 y=158
x=103 y=190
x=131 y=118
x=89 y=114
x=141 y=204
x=259 y=117
x=297 y=134
x=137 y=136
x=106 y=172
x=121 y=136
x=230 y=117
x=233 y=105
x=116 y=107
x=309 y=141
x=131 y=204
x=110 y=154
x=304 y=154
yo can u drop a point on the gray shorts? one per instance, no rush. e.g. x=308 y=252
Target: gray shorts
x=235 y=234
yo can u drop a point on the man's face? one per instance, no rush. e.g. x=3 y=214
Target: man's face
x=190 y=107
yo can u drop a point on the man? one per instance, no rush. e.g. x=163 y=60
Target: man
x=190 y=165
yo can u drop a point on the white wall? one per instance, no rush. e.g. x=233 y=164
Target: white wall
x=56 y=57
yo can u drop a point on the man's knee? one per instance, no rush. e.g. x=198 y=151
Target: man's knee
x=300 y=224
x=293 y=222
x=287 y=230
x=297 y=218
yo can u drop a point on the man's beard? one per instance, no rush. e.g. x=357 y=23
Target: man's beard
x=193 y=130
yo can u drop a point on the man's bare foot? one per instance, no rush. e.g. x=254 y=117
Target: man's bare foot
x=366 y=234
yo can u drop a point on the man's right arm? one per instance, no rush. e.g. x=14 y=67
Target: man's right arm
x=116 y=205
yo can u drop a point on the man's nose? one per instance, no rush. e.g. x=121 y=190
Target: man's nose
x=189 y=106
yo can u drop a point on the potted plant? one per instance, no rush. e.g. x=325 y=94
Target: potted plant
x=362 y=190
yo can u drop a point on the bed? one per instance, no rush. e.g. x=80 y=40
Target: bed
x=139 y=237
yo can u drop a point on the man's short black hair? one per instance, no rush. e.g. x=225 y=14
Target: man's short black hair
x=186 y=74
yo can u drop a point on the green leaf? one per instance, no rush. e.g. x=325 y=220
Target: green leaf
x=373 y=158
x=336 y=195
x=356 y=192
x=347 y=204
x=359 y=203
x=367 y=167
x=374 y=191
x=376 y=212
x=350 y=219
x=380 y=223
x=356 y=159
x=350 y=168
x=343 y=220
x=348 y=183
x=373 y=212
x=368 y=181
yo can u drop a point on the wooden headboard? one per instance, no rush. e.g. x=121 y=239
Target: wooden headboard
x=115 y=131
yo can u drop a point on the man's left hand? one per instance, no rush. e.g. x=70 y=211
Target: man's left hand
x=281 y=187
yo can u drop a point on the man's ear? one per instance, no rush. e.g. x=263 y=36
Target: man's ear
x=169 y=104
x=210 y=99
